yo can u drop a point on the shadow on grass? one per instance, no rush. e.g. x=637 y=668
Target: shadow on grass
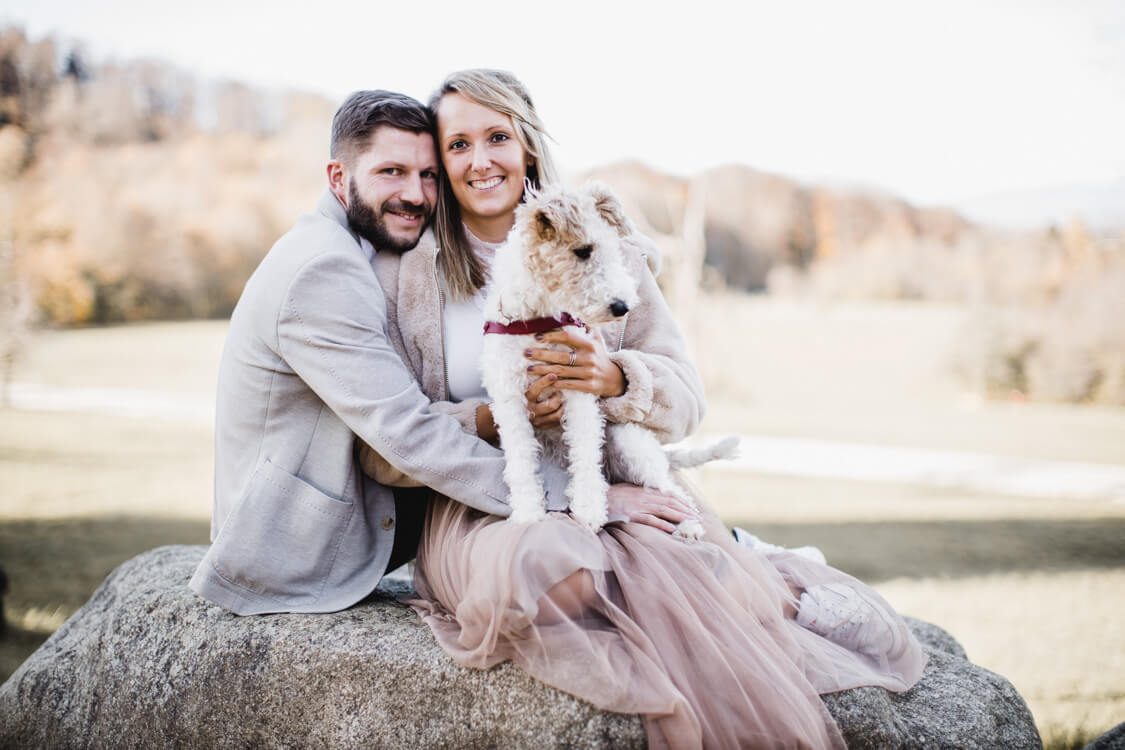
x=1069 y=738
x=54 y=566
x=876 y=551
x=58 y=563
x=16 y=645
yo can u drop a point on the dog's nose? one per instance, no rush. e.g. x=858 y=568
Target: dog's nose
x=618 y=308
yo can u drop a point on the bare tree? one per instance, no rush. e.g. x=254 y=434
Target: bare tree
x=15 y=316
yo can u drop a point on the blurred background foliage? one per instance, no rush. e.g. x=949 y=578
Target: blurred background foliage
x=131 y=191
x=134 y=191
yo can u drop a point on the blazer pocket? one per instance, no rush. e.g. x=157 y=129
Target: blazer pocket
x=281 y=540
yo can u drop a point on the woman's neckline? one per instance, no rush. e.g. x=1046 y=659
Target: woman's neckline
x=493 y=226
x=481 y=248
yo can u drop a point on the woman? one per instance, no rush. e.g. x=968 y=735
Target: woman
x=715 y=644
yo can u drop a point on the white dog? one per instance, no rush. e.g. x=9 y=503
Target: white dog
x=562 y=265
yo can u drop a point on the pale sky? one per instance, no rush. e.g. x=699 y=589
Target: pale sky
x=936 y=101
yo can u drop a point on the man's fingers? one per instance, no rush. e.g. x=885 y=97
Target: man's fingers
x=665 y=526
x=683 y=507
x=672 y=514
x=650 y=520
x=668 y=506
x=649 y=506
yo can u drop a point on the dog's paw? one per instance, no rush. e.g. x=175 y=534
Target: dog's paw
x=592 y=518
x=690 y=529
x=527 y=515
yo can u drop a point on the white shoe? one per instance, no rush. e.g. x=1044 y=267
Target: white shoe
x=837 y=612
x=748 y=540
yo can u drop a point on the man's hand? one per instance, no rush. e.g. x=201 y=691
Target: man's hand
x=486 y=425
x=647 y=506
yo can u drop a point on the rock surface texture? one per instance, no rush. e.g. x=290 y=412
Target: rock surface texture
x=1114 y=739
x=146 y=663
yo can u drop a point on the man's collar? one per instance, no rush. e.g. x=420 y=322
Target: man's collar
x=368 y=249
x=329 y=205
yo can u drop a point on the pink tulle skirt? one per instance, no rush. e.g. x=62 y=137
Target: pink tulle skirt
x=698 y=637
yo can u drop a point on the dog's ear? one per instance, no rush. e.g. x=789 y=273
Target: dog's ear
x=549 y=215
x=544 y=224
x=609 y=208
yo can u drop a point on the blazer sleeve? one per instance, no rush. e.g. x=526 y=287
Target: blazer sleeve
x=663 y=389
x=331 y=330
x=379 y=469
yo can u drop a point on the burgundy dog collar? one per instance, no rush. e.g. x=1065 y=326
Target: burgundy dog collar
x=535 y=325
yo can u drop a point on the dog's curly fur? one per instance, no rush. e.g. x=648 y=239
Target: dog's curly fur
x=564 y=255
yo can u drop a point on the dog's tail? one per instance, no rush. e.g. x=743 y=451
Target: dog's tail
x=686 y=458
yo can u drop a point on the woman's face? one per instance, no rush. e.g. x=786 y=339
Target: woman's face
x=484 y=162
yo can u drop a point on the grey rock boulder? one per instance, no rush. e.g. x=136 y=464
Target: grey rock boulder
x=955 y=705
x=146 y=663
x=1114 y=739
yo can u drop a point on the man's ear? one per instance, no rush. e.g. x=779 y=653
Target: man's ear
x=338 y=181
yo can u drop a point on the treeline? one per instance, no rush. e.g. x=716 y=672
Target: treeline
x=133 y=191
x=136 y=191
x=1049 y=305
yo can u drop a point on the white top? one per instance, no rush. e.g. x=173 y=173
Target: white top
x=462 y=324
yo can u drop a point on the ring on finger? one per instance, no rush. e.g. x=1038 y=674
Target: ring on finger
x=573 y=357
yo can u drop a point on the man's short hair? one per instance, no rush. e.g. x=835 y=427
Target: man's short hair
x=364 y=111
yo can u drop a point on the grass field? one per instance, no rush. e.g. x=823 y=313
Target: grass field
x=1033 y=588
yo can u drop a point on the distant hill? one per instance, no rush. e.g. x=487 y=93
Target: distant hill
x=756 y=222
x=134 y=190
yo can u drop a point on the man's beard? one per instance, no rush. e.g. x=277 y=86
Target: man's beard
x=369 y=224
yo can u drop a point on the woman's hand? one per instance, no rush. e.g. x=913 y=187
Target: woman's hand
x=585 y=367
x=544 y=407
x=647 y=506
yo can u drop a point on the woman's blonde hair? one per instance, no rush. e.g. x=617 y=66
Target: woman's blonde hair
x=501 y=91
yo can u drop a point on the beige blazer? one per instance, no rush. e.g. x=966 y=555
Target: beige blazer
x=307 y=367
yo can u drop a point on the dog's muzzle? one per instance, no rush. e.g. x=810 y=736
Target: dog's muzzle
x=618 y=308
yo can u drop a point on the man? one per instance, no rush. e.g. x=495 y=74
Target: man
x=307 y=370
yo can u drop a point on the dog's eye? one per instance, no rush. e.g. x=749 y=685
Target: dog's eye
x=583 y=252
